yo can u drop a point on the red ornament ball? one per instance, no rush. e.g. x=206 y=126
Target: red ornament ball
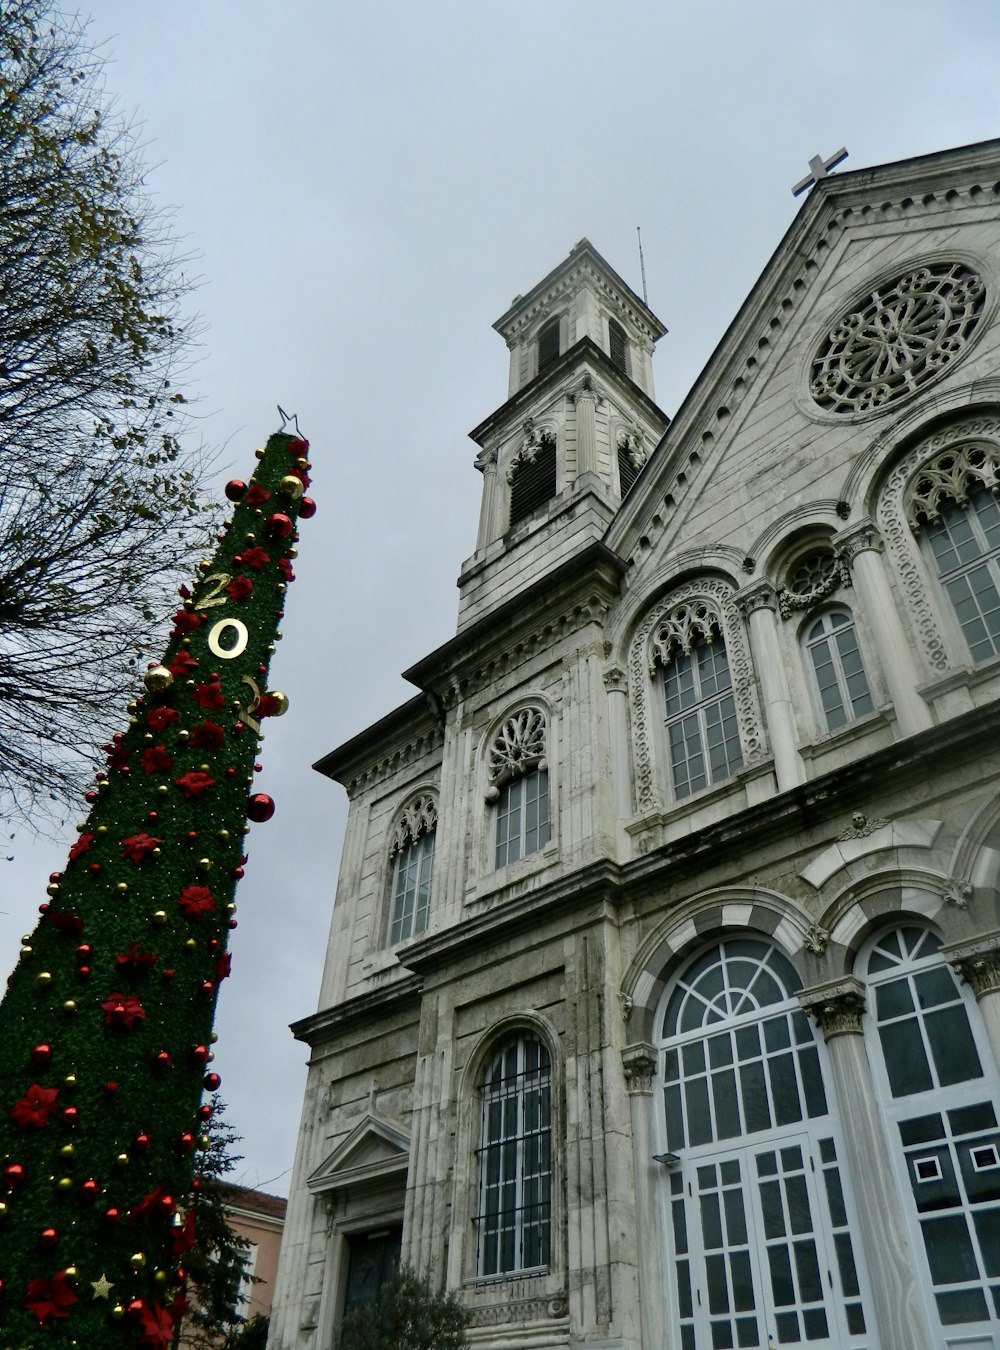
x=279 y=526
x=167 y=975
x=207 y=988
x=307 y=508
x=236 y=489
x=41 y=1054
x=206 y=1112
x=83 y=972
x=48 y=1237
x=71 y=1116
x=141 y=1143
x=213 y=1082
x=112 y=1215
x=84 y=952
x=260 y=807
x=200 y=1054
x=13 y=1174
x=166 y=1203
x=162 y=1059
x=89 y=1189
x=186 y=1143
x=110 y=1089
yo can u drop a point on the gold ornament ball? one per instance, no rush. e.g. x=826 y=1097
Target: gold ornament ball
x=52 y=888
x=204 y=1142
x=204 y=565
x=157 y=679
x=280 y=702
x=259 y=452
x=291 y=486
x=117 y=1312
x=43 y=978
x=69 y=1006
x=204 y=864
x=71 y=1272
x=67 y=1151
x=157 y=852
x=70 y=1080
x=138 y=1260
x=122 y=887
x=3 y=1209
x=122 y=1160
x=160 y=1278
x=183 y=735
x=160 y=916
x=102 y=829
x=191 y=944
x=223 y=835
x=162 y=790
x=64 y=1184
x=26 y=950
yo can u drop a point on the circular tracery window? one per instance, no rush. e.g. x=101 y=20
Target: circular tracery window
x=900 y=337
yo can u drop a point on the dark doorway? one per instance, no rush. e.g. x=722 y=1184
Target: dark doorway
x=372 y=1258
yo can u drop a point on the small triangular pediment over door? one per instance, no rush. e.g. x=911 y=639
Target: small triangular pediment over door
x=376 y=1150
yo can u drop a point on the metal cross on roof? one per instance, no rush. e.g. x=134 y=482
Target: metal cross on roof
x=819 y=168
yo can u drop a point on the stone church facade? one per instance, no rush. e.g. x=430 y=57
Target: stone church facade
x=662 y=1000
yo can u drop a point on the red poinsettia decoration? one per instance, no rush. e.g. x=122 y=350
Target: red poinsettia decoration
x=151 y=1206
x=65 y=923
x=196 y=901
x=194 y=784
x=138 y=846
x=255 y=557
x=224 y=966
x=35 y=1107
x=182 y=665
x=303 y=474
x=122 y=1010
x=207 y=735
x=210 y=696
x=184 y=621
x=240 y=588
x=257 y=495
x=182 y=1239
x=135 y=959
x=155 y=759
x=299 y=447
x=158 y=719
x=50 y=1298
x=285 y=566
x=156 y=1326
x=118 y=758
x=81 y=846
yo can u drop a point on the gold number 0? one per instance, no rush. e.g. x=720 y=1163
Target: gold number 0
x=215 y=639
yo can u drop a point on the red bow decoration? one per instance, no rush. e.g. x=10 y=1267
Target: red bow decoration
x=256 y=558
x=182 y=664
x=156 y=1326
x=65 y=923
x=184 y=621
x=149 y=1207
x=257 y=495
x=136 y=960
x=240 y=588
x=224 y=966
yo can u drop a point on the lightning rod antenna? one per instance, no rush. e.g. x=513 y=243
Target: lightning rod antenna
x=642 y=267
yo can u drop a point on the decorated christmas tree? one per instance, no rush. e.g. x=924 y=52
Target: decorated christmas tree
x=106 y=1026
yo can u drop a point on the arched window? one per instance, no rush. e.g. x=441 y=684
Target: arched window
x=519 y=785
x=532 y=474
x=839 y=684
x=940 y=1102
x=762 y=1249
x=618 y=346
x=412 y=854
x=514 y=1223
x=703 y=739
x=548 y=344
x=965 y=543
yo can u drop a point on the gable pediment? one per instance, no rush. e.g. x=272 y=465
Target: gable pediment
x=376 y=1150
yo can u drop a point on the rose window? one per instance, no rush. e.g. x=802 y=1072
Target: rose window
x=900 y=337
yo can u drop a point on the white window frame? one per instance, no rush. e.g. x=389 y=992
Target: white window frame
x=698 y=714
x=987 y=558
x=811 y=644
x=413 y=860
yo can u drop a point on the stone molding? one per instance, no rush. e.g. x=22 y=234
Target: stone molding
x=418 y=816
x=518 y=746
x=639 y=1062
x=615 y=680
x=757 y=596
x=977 y=960
x=534 y=441
x=814 y=575
x=520 y=1310
x=837 y=1006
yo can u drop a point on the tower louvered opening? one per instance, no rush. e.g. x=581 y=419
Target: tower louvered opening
x=534 y=482
x=617 y=346
x=548 y=344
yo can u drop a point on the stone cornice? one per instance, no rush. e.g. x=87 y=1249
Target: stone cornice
x=363 y=1009
x=401 y=737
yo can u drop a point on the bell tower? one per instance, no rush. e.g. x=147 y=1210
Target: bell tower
x=578 y=425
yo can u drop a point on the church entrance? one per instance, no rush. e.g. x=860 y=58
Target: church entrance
x=762 y=1255
x=371 y=1259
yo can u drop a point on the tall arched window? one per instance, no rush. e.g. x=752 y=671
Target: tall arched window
x=548 y=344
x=703 y=739
x=965 y=543
x=514 y=1223
x=533 y=474
x=762 y=1252
x=519 y=785
x=939 y=1096
x=839 y=683
x=618 y=346
x=412 y=854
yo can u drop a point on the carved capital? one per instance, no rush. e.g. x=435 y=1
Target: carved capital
x=486 y=460
x=836 y=1005
x=758 y=595
x=584 y=392
x=977 y=961
x=864 y=537
x=615 y=681
x=639 y=1062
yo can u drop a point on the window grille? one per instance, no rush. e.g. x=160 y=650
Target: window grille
x=617 y=346
x=533 y=481
x=515 y=1159
x=522 y=817
x=548 y=344
x=703 y=740
x=412 y=854
x=840 y=683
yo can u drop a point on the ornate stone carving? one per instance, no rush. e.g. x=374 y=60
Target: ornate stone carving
x=978 y=962
x=862 y=537
x=486 y=460
x=837 y=1006
x=678 y=629
x=629 y=441
x=518 y=746
x=958 y=893
x=615 y=681
x=816 y=939
x=861 y=827
x=898 y=338
x=758 y=595
x=584 y=391
x=639 y=1062
x=518 y=1311
x=417 y=817
x=536 y=439
x=625 y=1004
x=892 y=519
x=811 y=579
x=950 y=476
x=705 y=601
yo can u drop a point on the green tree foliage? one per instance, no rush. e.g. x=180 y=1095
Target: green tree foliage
x=407 y=1314
x=214 y=1266
x=98 y=501
x=251 y=1336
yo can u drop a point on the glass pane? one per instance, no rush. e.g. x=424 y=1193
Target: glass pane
x=952 y=1046
x=905 y=1059
x=949 y=1249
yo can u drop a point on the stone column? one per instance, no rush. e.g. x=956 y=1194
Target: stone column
x=861 y=548
x=639 y=1061
x=896 y=1303
x=758 y=604
x=585 y=398
x=616 y=684
x=486 y=463
x=977 y=960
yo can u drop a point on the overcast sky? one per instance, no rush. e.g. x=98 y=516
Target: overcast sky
x=365 y=187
